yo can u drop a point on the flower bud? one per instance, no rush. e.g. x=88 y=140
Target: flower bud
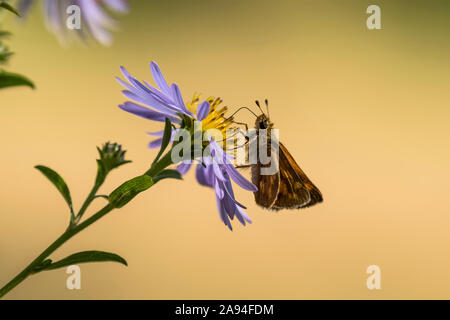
x=111 y=157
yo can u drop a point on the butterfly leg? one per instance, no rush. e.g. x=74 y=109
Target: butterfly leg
x=246 y=129
x=244 y=134
x=244 y=166
x=242 y=145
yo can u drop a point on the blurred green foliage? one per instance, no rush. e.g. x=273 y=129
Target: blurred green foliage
x=9 y=79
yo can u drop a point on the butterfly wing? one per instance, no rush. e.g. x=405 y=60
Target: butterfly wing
x=268 y=186
x=296 y=190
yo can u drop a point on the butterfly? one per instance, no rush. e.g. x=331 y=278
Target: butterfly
x=289 y=187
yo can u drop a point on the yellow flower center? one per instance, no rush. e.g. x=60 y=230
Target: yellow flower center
x=216 y=118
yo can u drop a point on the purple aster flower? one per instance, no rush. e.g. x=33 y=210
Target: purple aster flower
x=216 y=169
x=95 y=21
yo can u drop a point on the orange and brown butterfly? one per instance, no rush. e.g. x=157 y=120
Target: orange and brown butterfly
x=289 y=187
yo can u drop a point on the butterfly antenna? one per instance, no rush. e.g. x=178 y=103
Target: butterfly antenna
x=241 y=108
x=267 y=107
x=259 y=106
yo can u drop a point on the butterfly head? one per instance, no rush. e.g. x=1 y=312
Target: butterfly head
x=263 y=121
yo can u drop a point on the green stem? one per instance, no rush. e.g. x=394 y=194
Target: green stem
x=163 y=163
x=87 y=202
x=70 y=232
x=52 y=248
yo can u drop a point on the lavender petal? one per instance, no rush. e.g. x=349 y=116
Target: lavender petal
x=219 y=191
x=203 y=110
x=176 y=94
x=204 y=175
x=183 y=168
x=239 y=178
x=159 y=78
x=155 y=143
x=147 y=113
x=223 y=215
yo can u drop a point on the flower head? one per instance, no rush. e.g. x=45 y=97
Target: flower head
x=95 y=20
x=216 y=168
x=112 y=156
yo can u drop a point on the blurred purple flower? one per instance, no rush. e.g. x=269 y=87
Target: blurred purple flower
x=216 y=170
x=95 y=21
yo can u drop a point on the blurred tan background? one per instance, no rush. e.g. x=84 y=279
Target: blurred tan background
x=365 y=113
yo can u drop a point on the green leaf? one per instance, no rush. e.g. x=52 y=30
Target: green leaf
x=8 y=7
x=4 y=34
x=59 y=183
x=168 y=174
x=84 y=257
x=130 y=189
x=9 y=79
x=165 y=140
x=4 y=55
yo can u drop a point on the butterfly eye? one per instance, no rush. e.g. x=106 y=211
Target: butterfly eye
x=263 y=124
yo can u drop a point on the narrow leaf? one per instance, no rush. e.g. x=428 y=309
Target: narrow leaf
x=4 y=34
x=59 y=183
x=165 y=140
x=8 y=7
x=5 y=55
x=84 y=257
x=9 y=79
x=130 y=189
x=168 y=174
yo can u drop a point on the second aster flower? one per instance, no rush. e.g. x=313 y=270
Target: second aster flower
x=95 y=19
